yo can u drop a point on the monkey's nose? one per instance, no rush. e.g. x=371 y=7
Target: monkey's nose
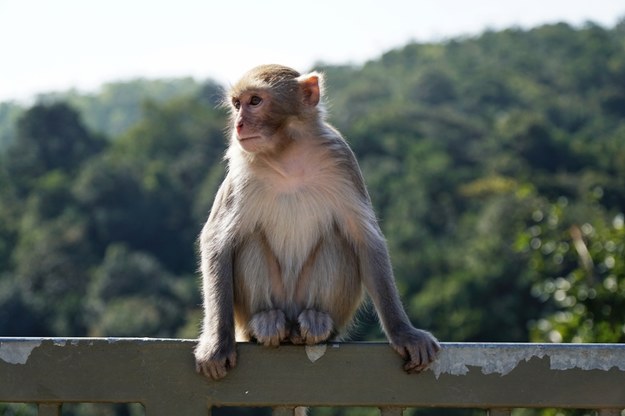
x=239 y=126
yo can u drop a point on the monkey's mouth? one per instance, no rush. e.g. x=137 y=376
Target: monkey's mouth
x=244 y=139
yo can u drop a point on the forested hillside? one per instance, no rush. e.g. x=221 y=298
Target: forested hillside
x=496 y=164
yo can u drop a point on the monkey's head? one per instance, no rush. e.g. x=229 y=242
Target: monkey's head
x=269 y=103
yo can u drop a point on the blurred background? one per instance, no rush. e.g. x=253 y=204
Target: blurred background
x=491 y=135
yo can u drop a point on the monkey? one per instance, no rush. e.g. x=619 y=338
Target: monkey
x=292 y=242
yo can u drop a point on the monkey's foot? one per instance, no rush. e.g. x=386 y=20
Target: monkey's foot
x=269 y=327
x=315 y=326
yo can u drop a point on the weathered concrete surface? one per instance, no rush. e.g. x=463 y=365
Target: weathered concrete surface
x=503 y=358
x=160 y=374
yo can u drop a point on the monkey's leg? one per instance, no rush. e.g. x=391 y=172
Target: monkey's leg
x=261 y=292
x=328 y=290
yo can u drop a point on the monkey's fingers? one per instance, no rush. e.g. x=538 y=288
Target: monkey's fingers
x=419 y=356
x=216 y=369
x=401 y=350
x=232 y=360
x=212 y=370
x=415 y=365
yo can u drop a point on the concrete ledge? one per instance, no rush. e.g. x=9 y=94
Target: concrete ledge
x=160 y=374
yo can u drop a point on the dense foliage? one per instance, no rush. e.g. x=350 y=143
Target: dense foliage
x=496 y=165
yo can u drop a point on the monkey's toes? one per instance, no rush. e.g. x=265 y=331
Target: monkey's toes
x=315 y=326
x=269 y=327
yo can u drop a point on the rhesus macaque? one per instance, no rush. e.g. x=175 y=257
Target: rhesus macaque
x=292 y=238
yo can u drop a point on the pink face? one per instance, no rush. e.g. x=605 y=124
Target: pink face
x=249 y=112
x=261 y=112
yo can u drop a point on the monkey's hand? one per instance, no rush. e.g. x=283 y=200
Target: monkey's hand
x=214 y=359
x=269 y=327
x=419 y=348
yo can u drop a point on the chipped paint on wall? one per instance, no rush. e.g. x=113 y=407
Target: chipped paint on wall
x=315 y=352
x=17 y=352
x=457 y=360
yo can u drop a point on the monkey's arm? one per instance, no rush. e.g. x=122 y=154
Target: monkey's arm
x=417 y=347
x=216 y=349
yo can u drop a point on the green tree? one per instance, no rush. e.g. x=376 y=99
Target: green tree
x=581 y=273
x=49 y=137
x=132 y=294
x=53 y=256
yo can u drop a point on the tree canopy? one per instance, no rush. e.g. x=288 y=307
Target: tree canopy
x=496 y=164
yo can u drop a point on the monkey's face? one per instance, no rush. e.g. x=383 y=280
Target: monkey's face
x=254 y=123
x=267 y=105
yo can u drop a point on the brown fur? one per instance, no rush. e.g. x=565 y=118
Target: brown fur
x=292 y=240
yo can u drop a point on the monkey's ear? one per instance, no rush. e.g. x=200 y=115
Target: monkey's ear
x=311 y=89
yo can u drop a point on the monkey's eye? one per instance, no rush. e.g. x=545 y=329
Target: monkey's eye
x=255 y=100
x=236 y=103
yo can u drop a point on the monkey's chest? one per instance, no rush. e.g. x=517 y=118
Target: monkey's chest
x=296 y=222
x=293 y=223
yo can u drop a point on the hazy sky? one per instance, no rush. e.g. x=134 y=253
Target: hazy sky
x=50 y=45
